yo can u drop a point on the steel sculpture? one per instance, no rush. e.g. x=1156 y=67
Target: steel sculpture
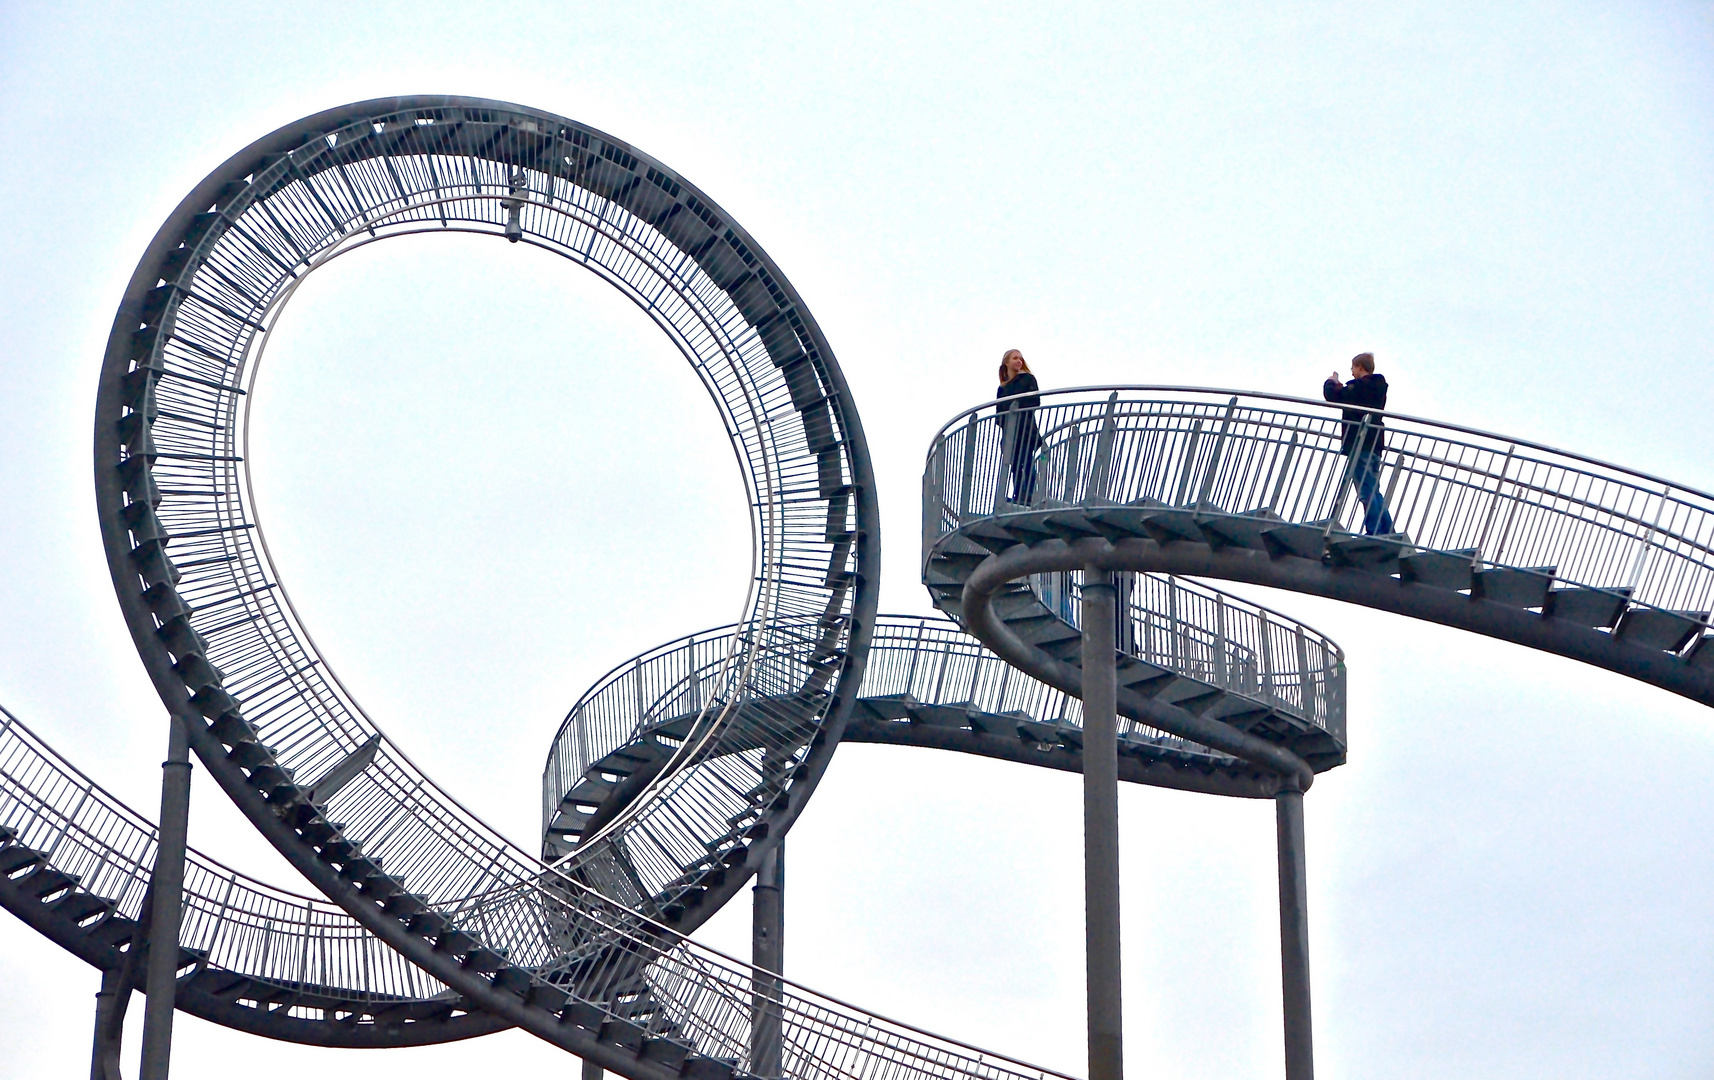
x=263 y=712
x=672 y=782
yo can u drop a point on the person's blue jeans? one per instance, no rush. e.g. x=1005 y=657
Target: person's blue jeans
x=1366 y=477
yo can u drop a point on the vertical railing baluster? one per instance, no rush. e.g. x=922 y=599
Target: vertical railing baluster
x=1096 y=489
x=1214 y=456
x=1493 y=506
x=1189 y=463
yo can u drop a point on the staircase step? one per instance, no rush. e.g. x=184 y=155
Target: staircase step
x=992 y=535
x=698 y=1067
x=668 y=1052
x=1239 y=530
x=16 y=857
x=1173 y=525
x=1375 y=554
x=1301 y=541
x=113 y=931
x=81 y=906
x=1118 y=523
x=1653 y=628
x=1189 y=694
x=1453 y=570
x=1069 y=525
x=45 y=882
x=1597 y=608
x=1515 y=588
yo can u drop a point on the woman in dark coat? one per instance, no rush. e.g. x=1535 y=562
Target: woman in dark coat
x=1018 y=423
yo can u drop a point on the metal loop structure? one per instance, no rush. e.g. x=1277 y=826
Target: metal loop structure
x=580 y=955
x=1499 y=536
x=674 y=778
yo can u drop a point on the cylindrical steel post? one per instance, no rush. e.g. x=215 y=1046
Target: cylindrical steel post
x=1294 y=936
x=109 y=1014
x=768 y=954
x=167 y=888
x=1101 y=827
x=591 y=1071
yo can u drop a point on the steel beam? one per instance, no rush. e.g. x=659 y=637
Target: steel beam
x=166 y=885
x=768 y=954
x=109 y=1024
x=1294 y=936
x=1101 y=827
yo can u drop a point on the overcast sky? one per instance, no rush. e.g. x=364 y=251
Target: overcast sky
x=487 y=478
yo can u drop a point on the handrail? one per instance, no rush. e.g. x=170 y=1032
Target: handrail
x=1318 y=403
x=933 y=661
x=1597 y=525
x=243 y=925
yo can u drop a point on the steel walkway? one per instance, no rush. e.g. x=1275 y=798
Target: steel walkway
x=1500 y=536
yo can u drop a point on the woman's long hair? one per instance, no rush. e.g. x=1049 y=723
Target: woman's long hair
x=1006 y=372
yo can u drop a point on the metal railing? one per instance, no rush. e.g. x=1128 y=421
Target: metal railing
x=1178 y=625
x=241 y=925
x=1497 y=501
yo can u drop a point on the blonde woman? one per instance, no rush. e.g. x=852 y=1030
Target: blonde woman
x=1018 y=398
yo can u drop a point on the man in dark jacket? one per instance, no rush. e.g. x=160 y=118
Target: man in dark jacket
x=1364 y=437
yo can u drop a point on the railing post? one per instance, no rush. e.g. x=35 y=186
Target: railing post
x=1493 y=505
x=1096 y=489
x=1101 y=827
x=969 y=476
x=1073 y=444
x=1189 y=463
x=167 y=888
x=1294 y=935
x=1214 y=456
x=934 y=494
x=1306 y=682
x=1284 y=474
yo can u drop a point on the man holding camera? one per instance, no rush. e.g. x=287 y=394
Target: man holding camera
x=1364 y=436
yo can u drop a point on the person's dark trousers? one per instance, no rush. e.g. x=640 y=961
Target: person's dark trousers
x=1366 y=477
x=1024 y=474
x=1025 y=441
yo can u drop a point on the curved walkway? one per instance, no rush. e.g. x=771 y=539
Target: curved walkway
x=1498 y=536
x=927 y=683
x=75 y=865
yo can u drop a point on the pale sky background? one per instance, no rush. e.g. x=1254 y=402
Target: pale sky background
x=488 y=478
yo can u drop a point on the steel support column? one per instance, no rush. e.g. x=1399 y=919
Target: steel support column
x=109 y=1024
x=591 y=1071
x=1294 y=936
x=166 y=886
x=1101 y=827
x=768 y=954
